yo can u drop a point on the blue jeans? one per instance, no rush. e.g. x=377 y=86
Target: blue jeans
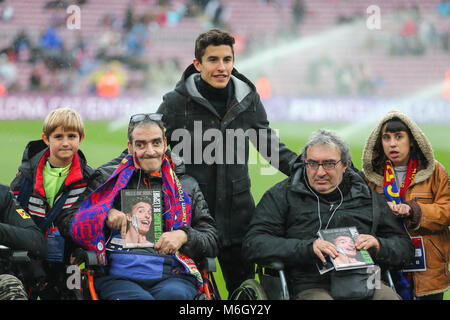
x=175 y=287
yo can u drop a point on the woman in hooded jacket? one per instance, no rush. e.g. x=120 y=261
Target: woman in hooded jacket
x=398 y=162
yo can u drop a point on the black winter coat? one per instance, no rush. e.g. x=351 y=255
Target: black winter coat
x=225 y=181
x=202 y=233
x=286 y=222
x=17 y=229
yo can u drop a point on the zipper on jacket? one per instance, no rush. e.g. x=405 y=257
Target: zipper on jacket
x=188 y=100
x=228 y=111
x=422 y=198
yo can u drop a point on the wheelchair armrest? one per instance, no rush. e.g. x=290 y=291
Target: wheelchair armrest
x=276 y=265
x=89 y=257
x=20 y=256
x=208 y=264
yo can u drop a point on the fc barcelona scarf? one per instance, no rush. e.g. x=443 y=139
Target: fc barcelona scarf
x=390 y=186
x=402 y=281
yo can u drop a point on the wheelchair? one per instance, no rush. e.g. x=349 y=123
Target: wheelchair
x=14 y=256
x=13 y=262
x=272 y=284
x=92 y=269
x=42 y=280
x=25 y=268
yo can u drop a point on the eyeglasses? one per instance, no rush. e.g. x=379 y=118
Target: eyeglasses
x=326 y=165
x=142 y=116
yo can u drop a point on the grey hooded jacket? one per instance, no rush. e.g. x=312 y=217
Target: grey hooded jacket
x=216 y=149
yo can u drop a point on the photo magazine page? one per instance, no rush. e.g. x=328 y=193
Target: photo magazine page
x=143 y=211
x=349 y=257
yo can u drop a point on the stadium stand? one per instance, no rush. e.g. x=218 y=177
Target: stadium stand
x=329 y=52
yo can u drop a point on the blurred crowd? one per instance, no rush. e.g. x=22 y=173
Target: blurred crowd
x=118 y=60
x=408 y=32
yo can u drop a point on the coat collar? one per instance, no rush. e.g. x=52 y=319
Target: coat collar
x=242 y=88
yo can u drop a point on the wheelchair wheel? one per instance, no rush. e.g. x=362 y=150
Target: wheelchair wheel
x=249 y=290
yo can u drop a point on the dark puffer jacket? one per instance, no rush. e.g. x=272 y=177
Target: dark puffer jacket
x=286 y=222
x=202 y=233
x=225 y=181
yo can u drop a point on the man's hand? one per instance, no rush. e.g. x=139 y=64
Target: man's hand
x=321 y=247
x=366 y=241
x=402 y=209
x=117 y=220
x=171 y=242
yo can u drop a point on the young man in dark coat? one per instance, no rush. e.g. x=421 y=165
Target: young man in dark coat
x=214 y=111
x=324 y=192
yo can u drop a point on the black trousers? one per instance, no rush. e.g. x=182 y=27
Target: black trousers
x=436 y=296
x=235 y=267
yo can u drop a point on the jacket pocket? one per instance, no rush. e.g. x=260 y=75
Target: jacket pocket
x=241 y=185
x=436 y=256
x=242 y=200
x=139 y=266
x=423 y=197
x=242 y=206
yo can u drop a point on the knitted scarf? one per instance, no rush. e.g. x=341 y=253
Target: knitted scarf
x=390 y=186
x=402 y=281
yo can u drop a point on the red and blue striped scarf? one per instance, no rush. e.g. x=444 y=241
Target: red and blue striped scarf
x=390 y=187
x=403 y=281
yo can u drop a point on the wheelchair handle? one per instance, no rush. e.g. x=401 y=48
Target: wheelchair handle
x=276 y=265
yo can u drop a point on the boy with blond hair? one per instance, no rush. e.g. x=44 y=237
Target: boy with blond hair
x=51 y=184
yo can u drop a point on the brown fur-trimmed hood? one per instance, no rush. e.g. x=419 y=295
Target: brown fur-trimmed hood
x=420 y=138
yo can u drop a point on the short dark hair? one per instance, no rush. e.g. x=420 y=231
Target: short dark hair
x=215 y=37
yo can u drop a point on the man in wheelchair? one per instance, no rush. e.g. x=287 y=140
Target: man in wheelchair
x=17 y=232
x=182 y=231
x=325 y=191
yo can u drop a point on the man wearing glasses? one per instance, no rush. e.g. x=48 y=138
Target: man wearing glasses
x=167 y=270
x=324 y=191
